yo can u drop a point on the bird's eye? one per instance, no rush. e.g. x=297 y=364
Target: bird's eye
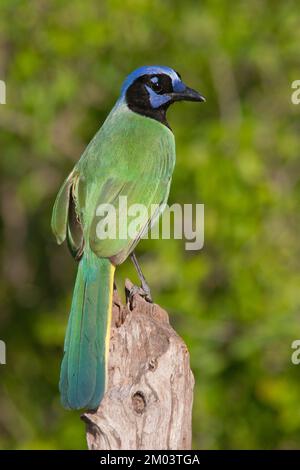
x=156 y=85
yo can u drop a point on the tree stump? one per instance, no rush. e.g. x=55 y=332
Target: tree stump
x=148 y=403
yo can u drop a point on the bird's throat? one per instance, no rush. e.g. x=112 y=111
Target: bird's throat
x=159 y=114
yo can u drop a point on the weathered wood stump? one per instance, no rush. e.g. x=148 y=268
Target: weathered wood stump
x=148 y=404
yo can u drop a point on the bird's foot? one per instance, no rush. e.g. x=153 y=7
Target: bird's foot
x=143 y=291
x=146 y=291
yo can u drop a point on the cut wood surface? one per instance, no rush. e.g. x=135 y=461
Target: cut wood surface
x=148 y=404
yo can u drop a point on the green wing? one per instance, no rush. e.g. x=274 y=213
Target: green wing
x=131 y=156
x=66 y=216
x=118 y=249
x=139 y=167
x=60 y=211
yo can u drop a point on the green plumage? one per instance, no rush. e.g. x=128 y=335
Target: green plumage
x=83 y=369
x=132 y=156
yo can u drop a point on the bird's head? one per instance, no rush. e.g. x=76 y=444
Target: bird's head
x=150 y=90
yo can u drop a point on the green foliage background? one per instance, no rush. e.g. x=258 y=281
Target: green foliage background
x=236 y=302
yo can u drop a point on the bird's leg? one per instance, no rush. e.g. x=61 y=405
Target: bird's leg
x=144 y=290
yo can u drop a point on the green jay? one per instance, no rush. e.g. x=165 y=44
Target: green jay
x=132 y=155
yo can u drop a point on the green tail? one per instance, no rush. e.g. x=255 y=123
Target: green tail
x=84 y=366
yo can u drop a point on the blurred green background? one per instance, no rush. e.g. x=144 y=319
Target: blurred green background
x=236 y=302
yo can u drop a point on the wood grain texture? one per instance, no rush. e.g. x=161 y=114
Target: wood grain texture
x=148 y=404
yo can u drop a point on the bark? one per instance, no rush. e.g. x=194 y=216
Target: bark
x=148 y=404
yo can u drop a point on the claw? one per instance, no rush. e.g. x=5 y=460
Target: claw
x=145 y=292
x=136 y=290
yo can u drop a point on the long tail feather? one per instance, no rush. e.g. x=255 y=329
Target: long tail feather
x=84 y=366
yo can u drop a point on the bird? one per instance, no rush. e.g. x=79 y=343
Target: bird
x=132 y=155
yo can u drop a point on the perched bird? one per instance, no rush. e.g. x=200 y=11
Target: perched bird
x=132 y=155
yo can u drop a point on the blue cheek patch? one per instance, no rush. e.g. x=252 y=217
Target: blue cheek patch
x=157 y=100
x=178 y=86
